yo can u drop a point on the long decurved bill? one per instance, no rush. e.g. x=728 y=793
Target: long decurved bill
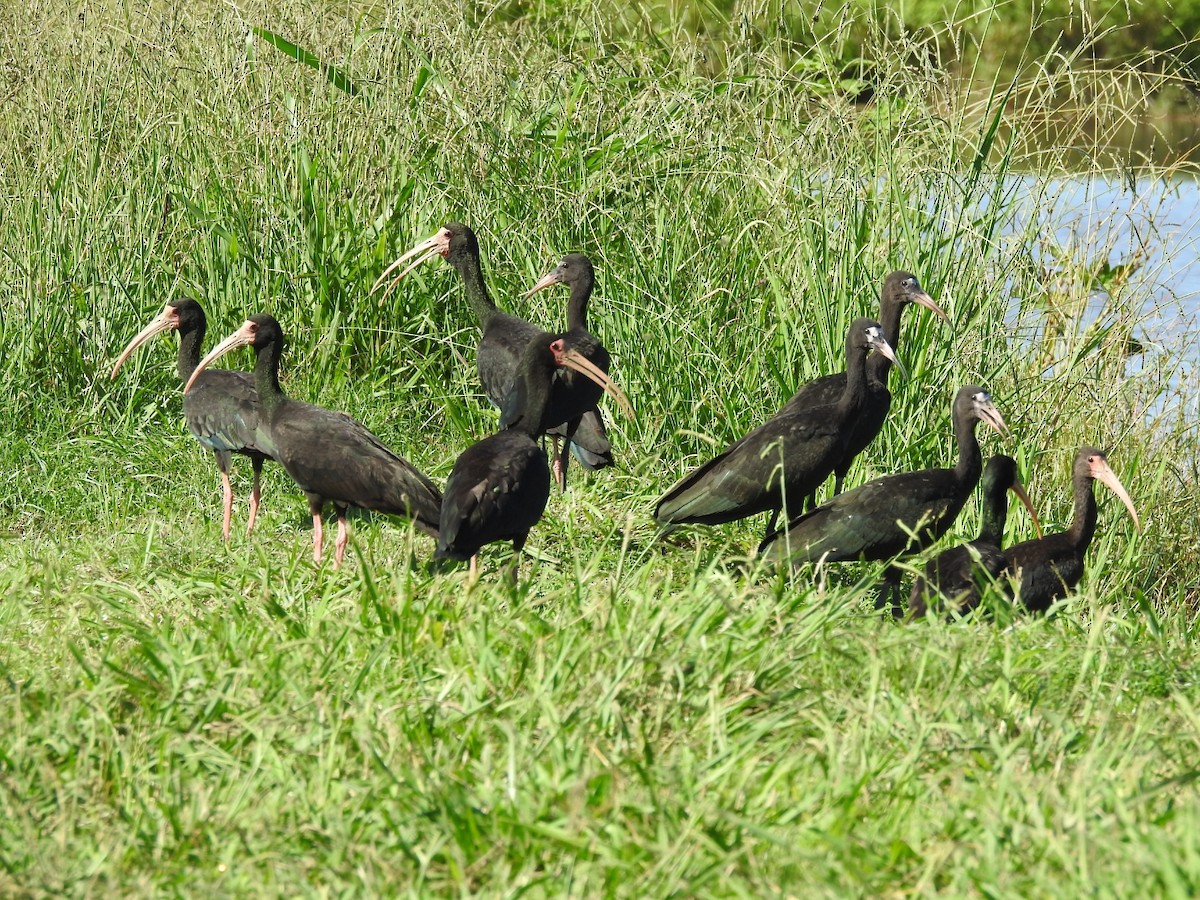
x=880 y=345
x=1101 y=471
x=437 y=245
x=1019 y=489
x=164 y=321
x=572 y=359
x=240 y=338
x=930 y=304
x=550 y=278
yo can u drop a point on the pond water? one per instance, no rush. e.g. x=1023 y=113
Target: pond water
x=1155 y=221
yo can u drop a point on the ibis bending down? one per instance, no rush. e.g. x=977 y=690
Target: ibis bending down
x=899 y=290
x=505 y=336
x=332 y=457
x=956 y=577
x=782 y=460
x=499 y=486
x=585 y=435
x=895 y=514
x=221 y=410
x=1047 y=569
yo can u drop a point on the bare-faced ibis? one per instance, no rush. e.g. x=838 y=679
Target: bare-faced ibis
x=955 y=578
x=221 y=410
x=784 y=458
x=899 y=290
x=1048 y=569
x=504 y=336
x=586 y=435
x=332 y=457
x=499 y=486
x=895 y=514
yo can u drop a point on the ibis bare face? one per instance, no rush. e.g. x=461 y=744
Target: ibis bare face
x=877 y=342
x=1099 y=469
x=166 y=320
x=571 y=359
x=243 y=337
x=437 y=245
x=986 y=412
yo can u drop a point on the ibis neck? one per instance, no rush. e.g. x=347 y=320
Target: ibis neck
x=266 y=376
x=537 y=383
x=970 y=461
x=577 y=305
x=1083 y=525
x=470 y=269
x=856 y=378
x=189 y=352
x=878 y=366
x=995 y=514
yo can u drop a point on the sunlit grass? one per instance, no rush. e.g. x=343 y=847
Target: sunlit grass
x=642 y=716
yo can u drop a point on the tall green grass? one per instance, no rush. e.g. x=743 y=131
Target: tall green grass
x=640 y=717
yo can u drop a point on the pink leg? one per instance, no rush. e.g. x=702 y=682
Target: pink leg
x=318 y=538
x=556 y=468
x=343 y=538
x=473 y=571
x=227 y=496
x=255 y=496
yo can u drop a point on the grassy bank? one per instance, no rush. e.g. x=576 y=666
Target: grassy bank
x=642 y=717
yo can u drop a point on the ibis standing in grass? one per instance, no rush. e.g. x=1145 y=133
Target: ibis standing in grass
x=585 y=436
x=955 y=578
x=504 y=336
x=331 y=456
x=896 y=514
x=899 y=290
x=1049 y=568
x=782 y=460
x=221 y=409
x=499 y=486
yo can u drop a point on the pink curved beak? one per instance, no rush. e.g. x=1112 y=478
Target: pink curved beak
x=436 y=245
x=164 y=321
x=240 y=338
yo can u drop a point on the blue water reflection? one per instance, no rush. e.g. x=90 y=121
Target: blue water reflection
x=1154 y=220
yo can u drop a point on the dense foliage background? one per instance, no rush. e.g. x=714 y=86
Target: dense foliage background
x=642 y=716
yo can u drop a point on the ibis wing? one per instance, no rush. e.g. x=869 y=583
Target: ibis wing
x=790 y=452
x=223 y=412
x=334 y=456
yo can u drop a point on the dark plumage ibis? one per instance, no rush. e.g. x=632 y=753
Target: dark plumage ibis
x=1048 y=569
x=784 y=458
x=331 y=456
x=585 y=435
x=499 y=486
x=955 y=578
x=504 y=336
x=899 y=290
x=221 y=410
x=895 y=514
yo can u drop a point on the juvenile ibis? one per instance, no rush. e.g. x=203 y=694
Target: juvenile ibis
x=899 y=290
x=332 y=457
x=1048 y=569
x=499 y=486
x=784 y=458
x=955 y=577
x=895 y=514
x=221 y=410
x=586 y=435
x=504 y=336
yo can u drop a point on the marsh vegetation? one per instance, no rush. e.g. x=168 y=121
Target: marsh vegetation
x=641 y=717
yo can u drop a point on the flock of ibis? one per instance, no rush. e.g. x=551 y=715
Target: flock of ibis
x=549 y=384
